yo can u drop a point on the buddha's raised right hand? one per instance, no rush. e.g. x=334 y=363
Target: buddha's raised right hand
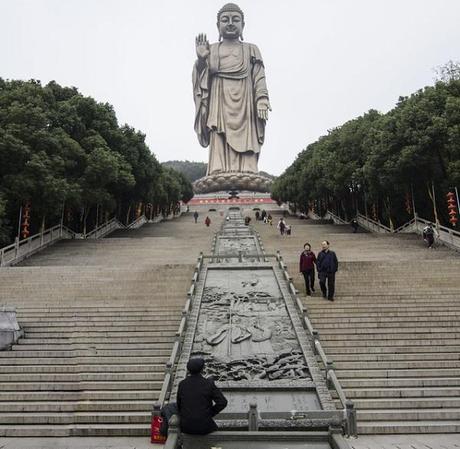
x=202 y=46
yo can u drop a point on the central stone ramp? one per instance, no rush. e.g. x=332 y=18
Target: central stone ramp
x=244 y=322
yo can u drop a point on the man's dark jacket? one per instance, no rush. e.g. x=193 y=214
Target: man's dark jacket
x=195 y=397
x=327 y=262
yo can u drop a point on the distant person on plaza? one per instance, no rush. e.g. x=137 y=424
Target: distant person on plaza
x=307 y=268
x=257 y=215
x=207 y=221
x=354 y=225
x=247 y=220
x=327 y=265
x=198 y=400
x=429 y=234
x=270 y=220
x=281 y=226
x=288 y=229
x=263 y=215
x=195 y=216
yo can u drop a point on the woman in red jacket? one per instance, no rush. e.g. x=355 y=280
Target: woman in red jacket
x=307 y=268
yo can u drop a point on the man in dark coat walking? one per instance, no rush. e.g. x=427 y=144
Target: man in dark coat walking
x=198 y=401
x=327 y=265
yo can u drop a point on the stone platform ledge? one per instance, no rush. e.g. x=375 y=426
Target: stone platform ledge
x=10 y=332
x=232 y=181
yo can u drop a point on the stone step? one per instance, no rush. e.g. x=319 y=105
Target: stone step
x=82 y=377
x=389 y=332
x=75 y=406
x=80 y=386
x=433 y=356
x=406 y=392
x=76 y=368
x=401 y=382
x=431 y=414
x=406 y=403
x=84 y=327
x=395 y=365
x=144 y=347
x=336 y=342
x=387 y=339
x=409 y=427
x=83 y=353
x=80 y=430
x=96 y=320
x=101 y=340
x=332 y=350
x=80 y=395
x=81 y=360
x=127 y=417
x=396 y=373
x=100 y=335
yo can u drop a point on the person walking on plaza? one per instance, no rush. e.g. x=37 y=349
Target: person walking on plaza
x=195 y=216
x=429 y=234
x=327 y=265
x=207 y=221
x=281 y=226
x=307 y=268
x=198 y=400
x=354 y=225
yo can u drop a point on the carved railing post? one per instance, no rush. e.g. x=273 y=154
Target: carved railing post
x=253 y=417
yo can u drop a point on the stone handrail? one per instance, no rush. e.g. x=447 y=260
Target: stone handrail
x=445 y=235
x=138 y=222
x=349 y=412
x=21 y=249
x=104 y=229
x=372 y=225
x=335 y=218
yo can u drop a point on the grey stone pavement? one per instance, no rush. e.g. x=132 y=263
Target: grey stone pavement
x=78 y=443
x=433 y=441
x=427 y=441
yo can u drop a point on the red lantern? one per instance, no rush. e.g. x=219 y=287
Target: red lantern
x=452 y=208
x=155 y=436
x=25 y=225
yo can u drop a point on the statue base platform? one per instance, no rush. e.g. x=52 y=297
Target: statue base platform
x=232 y=182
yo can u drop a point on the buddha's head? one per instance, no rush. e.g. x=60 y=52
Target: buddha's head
x=230 y=22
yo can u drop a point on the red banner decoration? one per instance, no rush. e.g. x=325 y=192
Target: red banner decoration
x=452 y=208
x=25 y=223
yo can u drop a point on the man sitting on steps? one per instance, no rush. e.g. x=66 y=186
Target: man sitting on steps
x=198 y=400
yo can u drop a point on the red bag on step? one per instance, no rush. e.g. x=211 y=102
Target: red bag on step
x=155 y=436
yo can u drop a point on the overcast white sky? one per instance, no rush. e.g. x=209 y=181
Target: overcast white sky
x=326 y=61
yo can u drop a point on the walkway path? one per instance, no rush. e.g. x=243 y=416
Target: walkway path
x=100 y=318
x=393 y=330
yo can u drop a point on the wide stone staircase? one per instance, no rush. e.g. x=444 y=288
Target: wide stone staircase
x=100 y=319
x=393 y=331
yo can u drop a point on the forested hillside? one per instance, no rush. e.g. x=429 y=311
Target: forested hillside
x=66 y=155
x=384 y=164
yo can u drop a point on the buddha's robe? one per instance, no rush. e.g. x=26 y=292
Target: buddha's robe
x=226 y=90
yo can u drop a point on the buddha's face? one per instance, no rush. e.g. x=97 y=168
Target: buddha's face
x=230 y=25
